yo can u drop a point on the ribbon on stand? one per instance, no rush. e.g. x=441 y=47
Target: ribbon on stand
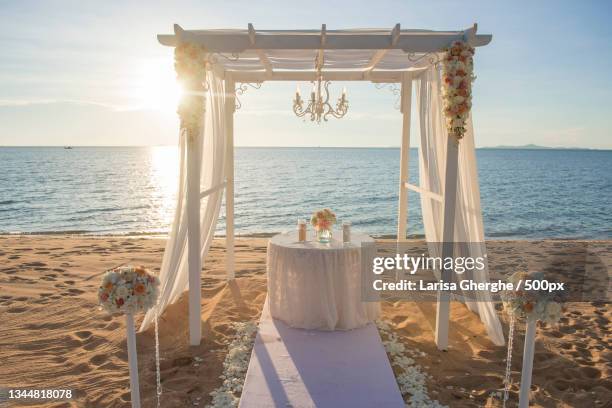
x=157 y=370
x=507 y=378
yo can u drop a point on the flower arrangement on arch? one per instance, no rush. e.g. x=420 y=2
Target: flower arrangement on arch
x=457 y=77
x=190 y=67
x=128 y=289
x=542 y=305
x=323 y=219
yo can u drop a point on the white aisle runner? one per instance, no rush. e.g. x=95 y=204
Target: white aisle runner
x=307 y=368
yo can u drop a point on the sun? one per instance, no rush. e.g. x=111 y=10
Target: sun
x=155 y=86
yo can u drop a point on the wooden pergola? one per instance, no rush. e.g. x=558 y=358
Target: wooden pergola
x=254 y=56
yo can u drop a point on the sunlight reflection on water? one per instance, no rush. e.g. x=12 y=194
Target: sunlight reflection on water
x=110 y=190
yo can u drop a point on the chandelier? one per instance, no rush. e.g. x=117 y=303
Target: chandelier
x=318 y=106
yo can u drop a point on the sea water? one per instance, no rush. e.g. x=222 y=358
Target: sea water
x=526 y=194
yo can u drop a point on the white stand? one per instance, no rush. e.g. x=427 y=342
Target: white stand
x=404 y=157
x=230 y=106
x=194 y=250
x=448 y=239
x=527 y=363
x=132 y=360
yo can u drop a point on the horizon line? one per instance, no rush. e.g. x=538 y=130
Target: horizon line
x=499 y=147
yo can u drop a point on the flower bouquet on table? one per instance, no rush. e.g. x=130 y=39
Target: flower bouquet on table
x=322 y=221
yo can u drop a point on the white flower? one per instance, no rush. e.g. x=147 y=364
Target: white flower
x=403 y=362
x=235 y=366
x=121 y=292
x=411 y=381
x=124 y=280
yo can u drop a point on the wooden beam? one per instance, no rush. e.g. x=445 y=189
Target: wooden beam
x=320 y=62
x=380 y=54
x=470 y=34
x=424 y=192
x=230 y=107
x=404 y=158
x=395 y=34
x=261 y=76
x=211 y=190
x=323 y=35
x=239 y=41
x=382 y=76
x=376 y=58
x=178 y=31
x=263 y=58
x=252 y=35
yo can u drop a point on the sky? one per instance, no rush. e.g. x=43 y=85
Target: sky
x=93 y=73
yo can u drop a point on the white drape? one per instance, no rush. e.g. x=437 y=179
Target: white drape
x=210 y=145
x=468 y=226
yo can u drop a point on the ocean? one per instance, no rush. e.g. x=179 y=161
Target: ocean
x=526 y=194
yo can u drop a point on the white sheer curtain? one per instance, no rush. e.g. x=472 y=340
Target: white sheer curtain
x=211 y=145
x=468 y=215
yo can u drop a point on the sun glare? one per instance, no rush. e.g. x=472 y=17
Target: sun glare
x=156 y=87
x=163 y=180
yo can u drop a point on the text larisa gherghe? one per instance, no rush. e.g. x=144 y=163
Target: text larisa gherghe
x=422 y=285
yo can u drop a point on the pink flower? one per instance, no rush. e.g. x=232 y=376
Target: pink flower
x=139 y=289
x=324 y=224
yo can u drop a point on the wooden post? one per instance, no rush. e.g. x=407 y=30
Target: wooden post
x=194 y=249
x=526 y=372
x=230 y=107
x=448 y=232
x=132 y=360
x=406 y=108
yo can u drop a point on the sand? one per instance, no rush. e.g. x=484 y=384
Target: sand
x=52 y=334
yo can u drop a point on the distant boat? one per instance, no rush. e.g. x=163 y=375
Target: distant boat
x=68 y=147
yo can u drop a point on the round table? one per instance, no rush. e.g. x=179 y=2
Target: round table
x=318 y=286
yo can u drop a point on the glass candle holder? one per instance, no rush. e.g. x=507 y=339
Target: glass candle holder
x=301 y=227
x=346 y=231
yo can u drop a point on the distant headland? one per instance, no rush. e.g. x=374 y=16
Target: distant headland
x=536 y=147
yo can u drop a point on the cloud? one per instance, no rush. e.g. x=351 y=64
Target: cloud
x=43 y=102
x=48 y=123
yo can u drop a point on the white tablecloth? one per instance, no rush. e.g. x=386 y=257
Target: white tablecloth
x=318 y=286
